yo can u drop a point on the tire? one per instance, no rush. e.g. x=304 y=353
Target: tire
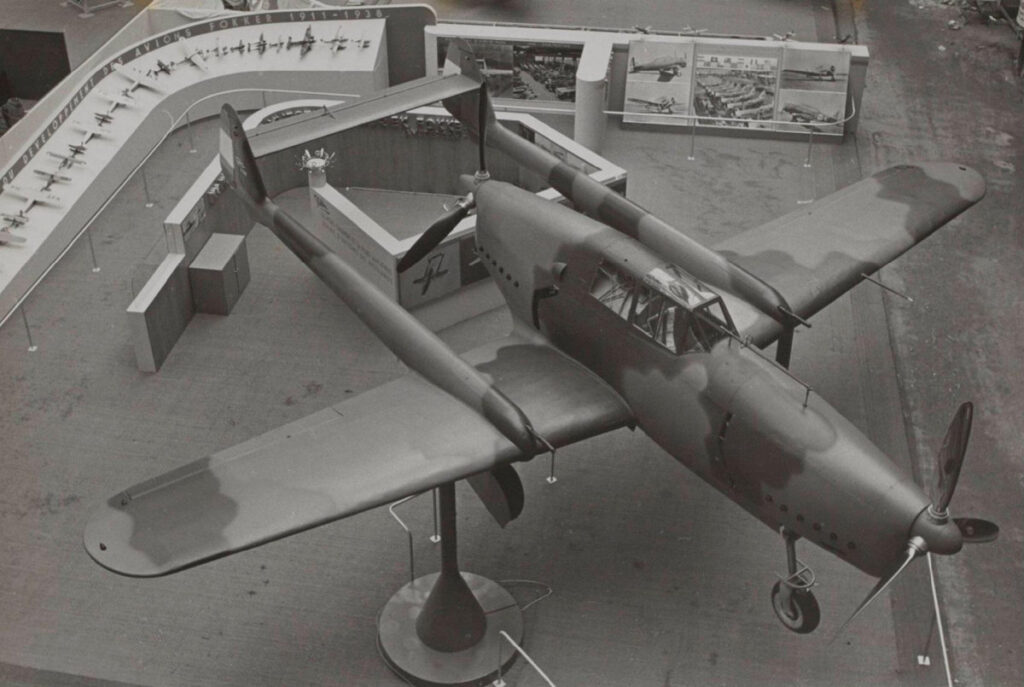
x=803 y=616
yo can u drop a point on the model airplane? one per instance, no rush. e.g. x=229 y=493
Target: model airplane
x=137 y=78
x=338 y=42
x=620 y=320
x=665 y=105
x=52 y=178
x=667 y=67
x=67 y=161
x=306 y=43
x=116 y=100
x=14 y=221
x=9 y=238
x=161 y=68
x=90 y=131
x=31 y=198
x=192 y=56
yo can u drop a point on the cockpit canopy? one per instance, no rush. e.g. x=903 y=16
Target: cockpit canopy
x=666 y=304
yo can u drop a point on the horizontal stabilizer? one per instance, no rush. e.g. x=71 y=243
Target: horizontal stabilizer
x=285 y=134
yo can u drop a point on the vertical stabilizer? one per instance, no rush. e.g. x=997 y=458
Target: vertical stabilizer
x=236 y=158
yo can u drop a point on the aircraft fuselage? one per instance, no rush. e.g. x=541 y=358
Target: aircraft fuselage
x=738 y=420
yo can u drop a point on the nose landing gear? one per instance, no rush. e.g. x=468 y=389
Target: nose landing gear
x=792 y=599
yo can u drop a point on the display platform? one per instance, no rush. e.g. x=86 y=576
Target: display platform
x=393 y=175
x=68 y=158
x=373 y=227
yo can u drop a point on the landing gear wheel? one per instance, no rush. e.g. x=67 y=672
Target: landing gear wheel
x=801 y=614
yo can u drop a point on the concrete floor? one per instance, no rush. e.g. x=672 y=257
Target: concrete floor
x=656 y=579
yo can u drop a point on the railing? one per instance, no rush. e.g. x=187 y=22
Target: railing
x=499 y=681
x=693 y=121
x=174 y=124
x=87 y=7
x=436 y=537
x=686 y=31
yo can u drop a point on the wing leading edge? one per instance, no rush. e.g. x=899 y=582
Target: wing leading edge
x=402 y=438
x=814 y=255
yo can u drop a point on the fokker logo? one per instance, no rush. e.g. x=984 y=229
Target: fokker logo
x=434 y=268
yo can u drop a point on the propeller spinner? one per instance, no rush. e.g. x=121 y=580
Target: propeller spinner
x=934 y=530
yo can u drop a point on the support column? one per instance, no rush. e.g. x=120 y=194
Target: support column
x=451 y=619
x=444 y=628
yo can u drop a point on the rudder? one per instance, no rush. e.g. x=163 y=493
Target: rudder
x=236 y=158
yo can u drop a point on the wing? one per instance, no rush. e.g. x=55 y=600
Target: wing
x=814 y=255
x=398 y=439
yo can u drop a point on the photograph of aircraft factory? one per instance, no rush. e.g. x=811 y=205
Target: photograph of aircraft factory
x=525 y=71
x=735 y=90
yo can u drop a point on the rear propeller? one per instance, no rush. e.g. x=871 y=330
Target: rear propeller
x=443 y=225
x=934 y=530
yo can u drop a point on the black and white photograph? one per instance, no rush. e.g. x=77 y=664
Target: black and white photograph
x=735 y=88
x=644 y=345
x=525 y=71
x=658 y=82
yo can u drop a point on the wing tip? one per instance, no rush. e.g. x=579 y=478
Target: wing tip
x=116 y=555
x=967 y=180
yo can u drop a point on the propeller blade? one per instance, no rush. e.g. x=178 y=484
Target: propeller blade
x=915 y=548
x=976 y=530
x=434 y=234
x=951 y=455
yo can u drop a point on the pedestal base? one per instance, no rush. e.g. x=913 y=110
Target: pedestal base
x=420 y=665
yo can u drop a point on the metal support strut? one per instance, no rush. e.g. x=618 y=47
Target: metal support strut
x=452 y=619
x=445 y=628
x=792 y=596
x=800 y=575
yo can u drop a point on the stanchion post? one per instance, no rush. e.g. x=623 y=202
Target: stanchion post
x=808 y=176
x=145 y=186
x=191 y=139
x=408 y=536
x=28 y=332
x=92 y=250
x=693 y=139
x=551 y=479
x=435 y=537
x=500 y=681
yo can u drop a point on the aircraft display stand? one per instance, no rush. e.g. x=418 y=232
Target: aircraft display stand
x=444 y=628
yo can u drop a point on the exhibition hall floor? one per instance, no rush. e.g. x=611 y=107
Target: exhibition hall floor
x=656 y=579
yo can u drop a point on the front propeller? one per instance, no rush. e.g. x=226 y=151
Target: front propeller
x=934 y=530
x=443 y=225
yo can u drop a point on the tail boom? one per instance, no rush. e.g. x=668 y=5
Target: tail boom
x=403 y=334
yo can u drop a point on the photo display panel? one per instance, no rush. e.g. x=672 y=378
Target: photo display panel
x=812 y=90
x=736 y=86
x=659 y=80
